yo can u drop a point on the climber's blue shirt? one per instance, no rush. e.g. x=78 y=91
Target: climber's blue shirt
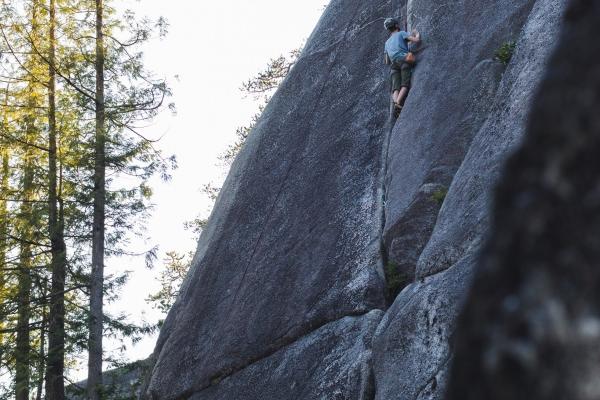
x=396 y=46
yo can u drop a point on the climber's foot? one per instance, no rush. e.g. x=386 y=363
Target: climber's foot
x=397 y=110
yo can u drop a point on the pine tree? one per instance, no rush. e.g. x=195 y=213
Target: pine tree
x=56 y=340
x=94 y=381
x=171 y=277
x=47 y=169
x=28 y=218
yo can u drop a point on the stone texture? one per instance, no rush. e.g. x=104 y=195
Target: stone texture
x=276 y=305
x=464 y=219
x=453 y=86
x=411 y=345
x=332 y=363
x=294 y=240
x=462 y=223
x=531 y=326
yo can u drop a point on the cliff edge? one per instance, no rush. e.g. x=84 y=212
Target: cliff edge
x=288 y=294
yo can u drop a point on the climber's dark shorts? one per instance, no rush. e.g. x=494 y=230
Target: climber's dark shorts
x=401 y=76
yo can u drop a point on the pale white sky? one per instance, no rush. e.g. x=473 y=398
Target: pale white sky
x=212 y=46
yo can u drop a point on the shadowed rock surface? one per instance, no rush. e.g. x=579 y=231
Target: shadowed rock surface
x=414 y=339
x=531 y=327
x=283 y=296
x=333 y=362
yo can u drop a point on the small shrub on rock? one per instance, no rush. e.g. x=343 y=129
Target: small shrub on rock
x=396 y=280
x=505 y=52
x=439 y=195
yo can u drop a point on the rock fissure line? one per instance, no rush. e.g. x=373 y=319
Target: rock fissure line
x=262 y=232
x=283 y=343
x=383 y=189
x=292 y=163
x=442 y=366
x=295 y=160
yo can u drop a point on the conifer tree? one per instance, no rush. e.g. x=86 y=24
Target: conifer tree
x=56 y=340
x=46 y=293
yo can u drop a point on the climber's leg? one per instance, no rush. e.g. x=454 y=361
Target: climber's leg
x=396 y=84
x=405 y=78
x=401 y=95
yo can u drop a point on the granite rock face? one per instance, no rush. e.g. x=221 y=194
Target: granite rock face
x=286 y=291
x=531 y=327
x=294 y=240
x=464 y=218
x=453 y=87
x=462 y=223
x=333 y=362
x=411 y=352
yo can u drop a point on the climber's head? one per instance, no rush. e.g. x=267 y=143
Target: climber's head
x=391 y=24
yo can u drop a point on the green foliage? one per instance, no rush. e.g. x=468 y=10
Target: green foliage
x=396 y=280
x=439 y=195
x=261 y=87
x=122 y=383
x=271 y=77
x=133 y=97
x=171 y=277
x=196 y=225
x=505 y=52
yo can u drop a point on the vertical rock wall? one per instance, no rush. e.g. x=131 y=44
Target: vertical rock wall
x=531 y=327
x=413 y=338
x=293 y=245
x=453 y=87
x=285 y=298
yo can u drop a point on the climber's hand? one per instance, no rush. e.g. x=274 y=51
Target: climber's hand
x=415 y=36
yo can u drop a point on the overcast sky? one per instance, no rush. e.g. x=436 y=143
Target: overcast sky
x=212 y=47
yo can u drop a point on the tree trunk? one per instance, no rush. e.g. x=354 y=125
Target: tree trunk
x=55 y=389
x=3 y=232
x=42 y=351
x=3 y=212
x=97 y=279
x=4 y=188
x=23 y=346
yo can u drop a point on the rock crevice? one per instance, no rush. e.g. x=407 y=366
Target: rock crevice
x=441 y=244
x=284 y=296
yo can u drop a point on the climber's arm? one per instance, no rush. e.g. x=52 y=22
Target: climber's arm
x=386 y=59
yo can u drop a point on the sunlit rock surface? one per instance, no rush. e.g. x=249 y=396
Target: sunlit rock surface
x=294 y=240
x=286 y=295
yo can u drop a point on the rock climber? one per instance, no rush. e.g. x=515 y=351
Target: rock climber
x=398 y=54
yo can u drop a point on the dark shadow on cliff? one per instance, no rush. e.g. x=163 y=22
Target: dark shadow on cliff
x=531 y=326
